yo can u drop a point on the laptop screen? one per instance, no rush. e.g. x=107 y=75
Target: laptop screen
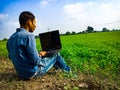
x=50 y=40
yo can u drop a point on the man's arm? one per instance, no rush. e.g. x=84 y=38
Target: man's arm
x=32 y=52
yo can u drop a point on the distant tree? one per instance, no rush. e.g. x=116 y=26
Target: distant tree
x=113 y=29
x=90 y=29
x=4 y=39
x=95 y=31
x=36 y=36
x=83 y=32
x=73 y=32
x=105 y=30
x=79 y=32
x=68 y=33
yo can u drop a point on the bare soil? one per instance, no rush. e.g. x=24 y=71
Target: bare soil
x=52 y=80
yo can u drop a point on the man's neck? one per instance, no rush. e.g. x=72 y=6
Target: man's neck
x=25 y=27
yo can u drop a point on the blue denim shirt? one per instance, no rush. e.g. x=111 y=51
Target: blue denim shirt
x=23 y=54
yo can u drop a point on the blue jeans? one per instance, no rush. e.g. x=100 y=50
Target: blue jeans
x=56 y=61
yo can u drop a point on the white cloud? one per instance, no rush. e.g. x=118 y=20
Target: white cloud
x=51 y=0
x=7 y=26
x=3 y=19
x=45 y=2
x=106 y=6
x=91 y=13
x=78 y=10
x=6 y=22
x=13 y=23
x=74 y=8
x=3 y=16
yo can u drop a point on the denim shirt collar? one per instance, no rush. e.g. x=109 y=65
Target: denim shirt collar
x=21 y=29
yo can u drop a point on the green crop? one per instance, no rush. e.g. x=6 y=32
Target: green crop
x=92 y=53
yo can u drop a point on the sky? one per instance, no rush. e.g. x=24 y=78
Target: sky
x=62 y=15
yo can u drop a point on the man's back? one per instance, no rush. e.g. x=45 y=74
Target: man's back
x=19 y=47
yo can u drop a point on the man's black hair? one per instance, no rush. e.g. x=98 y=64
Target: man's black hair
x=25 y=16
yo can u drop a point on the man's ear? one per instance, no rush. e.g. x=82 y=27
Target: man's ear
x=29 y=22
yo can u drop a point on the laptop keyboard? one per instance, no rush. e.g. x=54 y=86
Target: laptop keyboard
x=52 y=51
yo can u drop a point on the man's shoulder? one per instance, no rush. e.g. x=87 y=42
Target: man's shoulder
x=24 y=33
x=21 y=35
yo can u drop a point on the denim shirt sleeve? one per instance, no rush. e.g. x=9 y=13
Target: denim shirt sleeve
x=32 y=51
x=8 y=50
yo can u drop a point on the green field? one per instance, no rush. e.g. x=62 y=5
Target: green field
x=92 y=54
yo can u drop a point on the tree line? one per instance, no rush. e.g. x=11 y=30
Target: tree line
x=89 y=30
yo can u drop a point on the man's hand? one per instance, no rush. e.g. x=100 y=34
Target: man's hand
x=42 y=53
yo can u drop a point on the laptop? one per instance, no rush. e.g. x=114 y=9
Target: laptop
x=50 y=42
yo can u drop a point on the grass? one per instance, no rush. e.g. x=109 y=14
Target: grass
x=94 y=57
